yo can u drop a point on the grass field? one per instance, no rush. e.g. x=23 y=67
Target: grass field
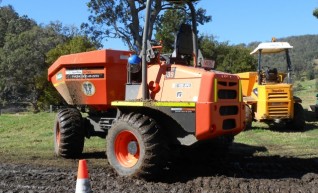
x=307 y=93
x=29 y=137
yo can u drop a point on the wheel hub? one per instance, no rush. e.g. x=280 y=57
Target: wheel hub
x=132 y=147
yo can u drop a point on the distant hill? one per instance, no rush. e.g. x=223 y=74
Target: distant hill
x=303 y=54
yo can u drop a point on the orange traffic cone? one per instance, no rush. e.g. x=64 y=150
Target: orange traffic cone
x=82 y=183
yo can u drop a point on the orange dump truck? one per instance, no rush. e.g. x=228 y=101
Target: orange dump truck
x=145 y=106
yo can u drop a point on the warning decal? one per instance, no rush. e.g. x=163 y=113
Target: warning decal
x=88 y=88
x=85 y=74
x=182 y=110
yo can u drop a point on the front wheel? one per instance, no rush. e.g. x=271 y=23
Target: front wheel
x=134 y=146
x=298 y=122
x=69 y=134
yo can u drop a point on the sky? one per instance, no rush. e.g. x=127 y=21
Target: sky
x=235 y=21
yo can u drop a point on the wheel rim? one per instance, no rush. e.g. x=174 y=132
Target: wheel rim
x=127 y=149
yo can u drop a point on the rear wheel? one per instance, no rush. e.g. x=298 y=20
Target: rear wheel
x=298 y=122
x=134 y=146
x=69 y=135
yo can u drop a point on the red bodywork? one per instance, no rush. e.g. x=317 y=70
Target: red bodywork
x=97 y=78
x=211 y=121
x=93 y=78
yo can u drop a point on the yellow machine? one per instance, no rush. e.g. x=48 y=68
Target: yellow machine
x=268 y=96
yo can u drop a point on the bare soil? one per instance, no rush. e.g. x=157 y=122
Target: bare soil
x=194 y=171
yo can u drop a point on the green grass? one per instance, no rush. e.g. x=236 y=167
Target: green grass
x=283 y=143
x=279 y=143
x=307 y=94
x=29 y=134
x=28 y=138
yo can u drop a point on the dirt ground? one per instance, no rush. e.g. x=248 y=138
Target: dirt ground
x=236 y=171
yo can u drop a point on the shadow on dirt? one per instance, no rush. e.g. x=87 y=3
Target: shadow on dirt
x=94 y=155
x=238 y=162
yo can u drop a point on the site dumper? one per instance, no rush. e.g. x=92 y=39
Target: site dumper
x=145 y=104
x=268 y=93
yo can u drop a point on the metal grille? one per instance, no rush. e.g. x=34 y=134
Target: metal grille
x=280 y=95
x=228 y=124
x=278 y=109
x=227 y=94
x=228 y=110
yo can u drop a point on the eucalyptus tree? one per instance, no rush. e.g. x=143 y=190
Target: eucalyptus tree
x=124 y=19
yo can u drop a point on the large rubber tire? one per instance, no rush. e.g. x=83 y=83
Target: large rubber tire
x=134 y=146
x=248 y=117
x=69 y=135
x=298 y=122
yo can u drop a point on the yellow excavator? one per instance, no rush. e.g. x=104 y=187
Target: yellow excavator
x=268 y=93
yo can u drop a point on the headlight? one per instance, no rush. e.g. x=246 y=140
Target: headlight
x=255 y=91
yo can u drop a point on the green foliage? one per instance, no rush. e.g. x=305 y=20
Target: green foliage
x=168 y=24
x=238 y=60
x=310 y=75
x=316 y=79
x=213 y=49
x=167 y=29
x=315 y=13
x=122 y=19
x=116 y=19
x=22 y=62
x=228 y=58
x=7 y=14
x=303 y=54
x=23 y=59
x=11 y=23
x=49 y=95
x=74 y=45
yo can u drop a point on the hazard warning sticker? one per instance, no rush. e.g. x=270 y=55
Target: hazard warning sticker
x=88 y=88
x=85 y=73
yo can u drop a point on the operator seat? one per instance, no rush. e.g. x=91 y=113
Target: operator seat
x=272 y=75
x=183 y=48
